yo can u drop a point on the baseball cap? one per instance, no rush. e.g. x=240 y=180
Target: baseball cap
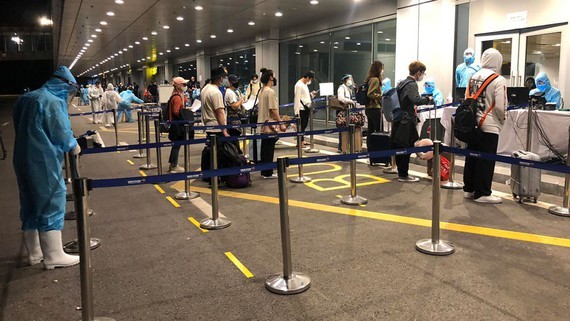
x=180 y=80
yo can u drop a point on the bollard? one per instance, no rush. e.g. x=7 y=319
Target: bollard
x=67 y=171
x=301 y=178
x=80 y=190
x=451 y=183
x=148 y=165
x=289 y=282
x=564 y=210
x=254 y=146
x=352 y=199
x=141 y=153
x=216 y=222
x=529 y=124
x=158 y=149
x=187 y=194
x=116 y=126
x=435 y=246
x=311 y=148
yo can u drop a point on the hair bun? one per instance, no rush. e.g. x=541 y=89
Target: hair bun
x=262 y=70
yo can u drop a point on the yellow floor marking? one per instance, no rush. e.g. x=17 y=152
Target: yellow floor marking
x=197 y=224
x=338 y=195
x=478 y=230
x=142 y=173
x=130 y=162
x=239 y=265
x=344 y=183
x=172 y=201
x=159 y=189
x=295 y=172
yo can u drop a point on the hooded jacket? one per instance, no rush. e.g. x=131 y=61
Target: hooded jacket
x=494 y=96
x=551 y=94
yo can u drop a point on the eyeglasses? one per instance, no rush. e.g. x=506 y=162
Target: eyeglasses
x=74 y=84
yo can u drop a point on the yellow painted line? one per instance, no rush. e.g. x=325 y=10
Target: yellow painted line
x=335 y=168
x=478 y=230
x=172 y=201
x=130 y=162
x=142 y=173
x=239 y=265
x=197 y=224
x=159 y=189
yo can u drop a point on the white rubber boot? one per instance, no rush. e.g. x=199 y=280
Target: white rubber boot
x=32 y=241
x=52 y=248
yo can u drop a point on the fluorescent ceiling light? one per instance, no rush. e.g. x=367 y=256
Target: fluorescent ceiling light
x=387 y=39
x=160 y=53
x=87 y=44
x=124 y=49
x=213 y=36
x=137 y=43
x=166 y=27
x=177 y=48
x=110 y=13
x=187 y=44
x=358 y=43
x=45 y=21
x=168 y=50
x=90 y=40
x=279 y=14
x=145 y=38
x=300 y=46
x=251 y=23
x=93 y=36
x=179 y=18
x=154 y=33
x=119 y=1
x=103 y=23
x=315 y=50
x=198 y=8
x=98 y=30
x=198 y=41
x=313 y=2
x=230 y=30
x=380 y=31
x=322 y=42
x=130 y=46
x=347 y=38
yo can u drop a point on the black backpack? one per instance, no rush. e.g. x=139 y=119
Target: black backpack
x=362 y=94
x=165 y=116
x=466 y=127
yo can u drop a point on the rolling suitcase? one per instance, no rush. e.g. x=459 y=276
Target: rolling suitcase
x=525 y=181
x=378 y=142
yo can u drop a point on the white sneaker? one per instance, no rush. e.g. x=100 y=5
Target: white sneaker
x=176 y=169
x=408 y=179
x=52 y=248
x=489 y=199
x=32 y=241
x=273 y=176
x=468 y=195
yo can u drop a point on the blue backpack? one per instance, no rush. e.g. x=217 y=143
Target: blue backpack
x=391 y=103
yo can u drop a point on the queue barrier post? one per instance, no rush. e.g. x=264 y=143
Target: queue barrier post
x=215 y=222
x=158 y=148
x=352 y=199
x=564 y=210
x=434 y=245
x=148 y=165
x=116 y=126
x=311 y=148
x=451 y=183
x=67 y=171
x=187 y=194
x=141 y=153
x=288 y=282
x=300 y=178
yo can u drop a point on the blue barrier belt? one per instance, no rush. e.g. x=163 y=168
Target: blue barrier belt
x=293 y=121
x=509 y=160
x=109 y=111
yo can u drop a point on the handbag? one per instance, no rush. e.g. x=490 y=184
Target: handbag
x=269 y=129
x=335 y=103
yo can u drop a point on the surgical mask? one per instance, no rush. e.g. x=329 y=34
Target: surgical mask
x=226 y=82
x=184 y=89
x=421 y=78
x=429 y=89
x=310 y=82
x=274 y=81
x=349 y=83
x=542 y=86
x=468 y=59
x=254 y=81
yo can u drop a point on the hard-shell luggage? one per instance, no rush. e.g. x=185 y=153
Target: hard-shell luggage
x=378 y=142
x=525 y=181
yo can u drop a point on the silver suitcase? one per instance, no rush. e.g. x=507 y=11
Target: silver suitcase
x=525 y=181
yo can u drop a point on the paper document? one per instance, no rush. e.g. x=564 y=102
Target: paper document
x=248 y=105
x=196 y=105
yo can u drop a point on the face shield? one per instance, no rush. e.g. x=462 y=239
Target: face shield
x=74 y=88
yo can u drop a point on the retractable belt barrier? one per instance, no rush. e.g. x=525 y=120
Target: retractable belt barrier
x=109 y=111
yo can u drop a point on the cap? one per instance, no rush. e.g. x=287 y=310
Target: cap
x=345 y=76
x=233 y=78
x=179 y=80
x=219 y=72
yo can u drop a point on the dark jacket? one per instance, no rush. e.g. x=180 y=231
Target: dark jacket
x=404 y=131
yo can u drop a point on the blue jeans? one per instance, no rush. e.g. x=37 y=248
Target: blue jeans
x=123 y=108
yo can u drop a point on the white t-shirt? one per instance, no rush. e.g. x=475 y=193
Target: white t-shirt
x=212 y=99
x=302 y=94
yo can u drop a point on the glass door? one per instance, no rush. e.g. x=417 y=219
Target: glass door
x=540 y=52
x=508 y=46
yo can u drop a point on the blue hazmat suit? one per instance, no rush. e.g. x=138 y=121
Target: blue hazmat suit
x=465 y=70
x=551 y=94
x=43 y=135
x=386 y=85
x=125 y=106
x=85 y=95
x=429 y=86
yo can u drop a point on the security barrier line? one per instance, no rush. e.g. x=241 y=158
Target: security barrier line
x=130 y=162
x=159 y=189
x=197 y=224
x=173 y=202
x=239 y=265
x=463 y=228
x=142 y=173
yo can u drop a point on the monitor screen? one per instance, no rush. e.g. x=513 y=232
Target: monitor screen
x=517 y=96
x=459 y=93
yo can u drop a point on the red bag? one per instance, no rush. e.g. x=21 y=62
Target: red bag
x=444 y=167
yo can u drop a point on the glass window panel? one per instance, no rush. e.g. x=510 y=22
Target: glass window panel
x=505 y=47
x=543 y=55
x=385 y=49
x=240 y=63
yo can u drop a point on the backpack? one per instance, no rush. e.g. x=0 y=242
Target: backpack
x=391 y=103
x=165 y=116
x=466 y=127
x=362 y=94
x=238 y=180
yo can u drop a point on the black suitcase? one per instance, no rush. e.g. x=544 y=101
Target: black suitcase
x=432 y=133
x=378 y=142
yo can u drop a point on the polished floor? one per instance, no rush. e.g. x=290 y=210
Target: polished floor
x=512 y=260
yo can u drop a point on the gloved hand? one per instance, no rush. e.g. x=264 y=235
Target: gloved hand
x=76 y=150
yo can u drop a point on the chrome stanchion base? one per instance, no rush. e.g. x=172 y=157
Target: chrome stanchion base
x=301 y=179
x=441 y=248
x=210 y=224
x=559 y=210
x=139 y=156
x=73 y=246
x=122 y=144
x=68 y=181
x=147 y=167
x=390 y=170
x=356 y=200
x=186 y=196
x=299 y=282
x=310 y=150
x=103 y=319
x=278 y=142
x=70 y=216
x=452 y=185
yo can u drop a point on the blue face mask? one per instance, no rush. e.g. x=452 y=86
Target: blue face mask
x=429 y=89
x=468 y=59
x=542 y=87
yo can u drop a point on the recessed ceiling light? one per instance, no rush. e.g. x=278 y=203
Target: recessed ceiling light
x=198 y=41
x=347 y=38
x=315 y=50
x=358 y=43
x=124 y=49
x=179 y=18
x=98 y=30
x=147 y=57
x=87 y=44
x=120 y=52
x=144 y=38
x=167 y=50
x=313 y=2
x=166 y=27
x=110 y=13
x=380 y=31
x=230 y=30
x=241 y=57
x=300 y=46
x=187 y=44
x=143 y=59
x=138 y=60
x=198 y=8
x=161 y=53
x=177 y=48
x=103 y=23
x=322 y=42
x=387 y=39
x=119 y=1
x=278 y=14
x=213 y=36
x=251 y=23
x=130 y=46
x=116 y=54
x=335 y=47
x=90 y=40
x=154 y=33
x=93 y=36
x=137 y=43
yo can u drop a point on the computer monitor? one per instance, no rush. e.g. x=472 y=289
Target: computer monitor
x=459 y=93
x=517 y=96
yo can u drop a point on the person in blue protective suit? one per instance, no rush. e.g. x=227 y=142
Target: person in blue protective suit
x=430 y=89
x=465 y=70
x=127 y=98
x=386 y=84
x=43 y=135
x=551 y=94
x=84 y=98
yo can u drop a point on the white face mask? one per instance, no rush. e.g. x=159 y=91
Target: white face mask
x=310 y=82
x=184 y=88
x=349 y=83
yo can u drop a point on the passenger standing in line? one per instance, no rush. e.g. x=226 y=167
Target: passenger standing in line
x=213 y=108
x=253 y=87
x=176 y=131
x=235 y=110
x=127 y=98
x=303 y=99
x=344 y=95
x=43 y=135
x=112 y=99
x=268 y=111
x=95 y=95
x=478 y=172
x=373 y=110
x=404 y=132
